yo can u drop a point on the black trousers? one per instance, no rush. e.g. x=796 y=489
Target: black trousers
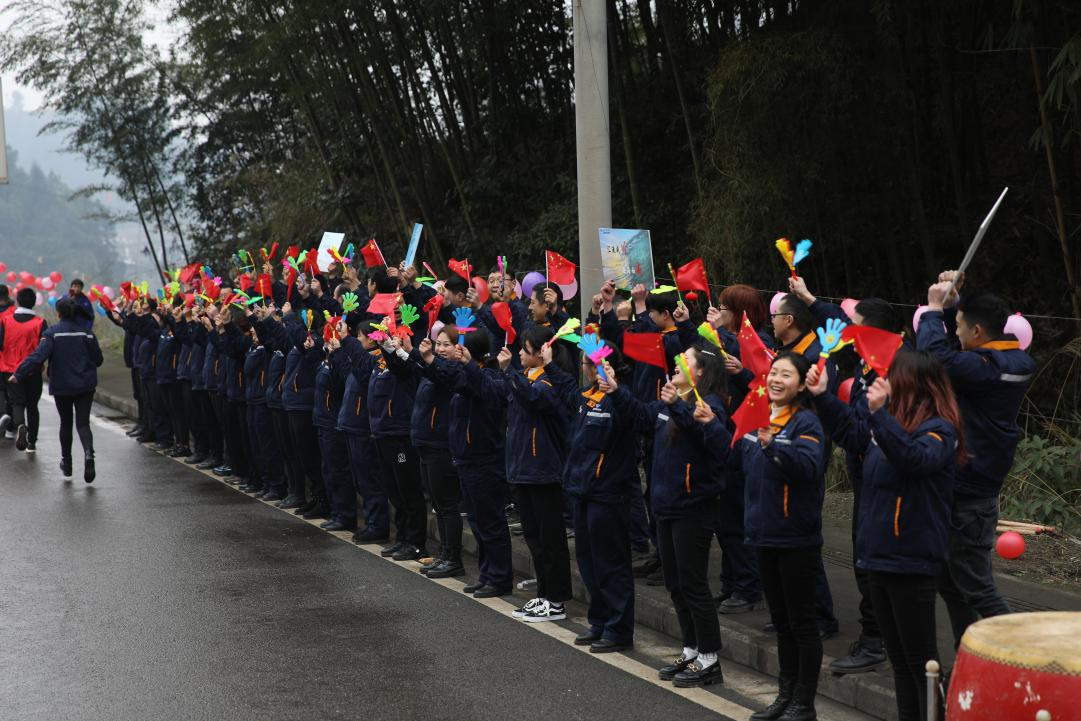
x=684 y=548
x=338 y=482
x=160 y=426
x=191 y=416
x=441 y=479
x=788 y=579
x=75 y=410
x=739 y=567
x=208 y=419
x=137 y=394
x=266 y=460
x=868 y=623
x=308 y=461
x=24 y=397
x=236 y=427
x=217 y=405
x=279 y=424
x=905 y=607
x=173 y=397
x=401 y=472
x=368 y=484
x=540 y=506
x=484 y=491
x=602 y=546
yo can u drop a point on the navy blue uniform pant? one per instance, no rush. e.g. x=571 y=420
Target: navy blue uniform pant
x=483 y=490
x=266 y=453
x=334 y=450
x=368 y=483
x=602 y=545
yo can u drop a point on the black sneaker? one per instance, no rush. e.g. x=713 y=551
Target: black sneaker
x=209 y=464
x=694 y=675
x=291 y=502
x=65 y=467
x=179 y=452
x=31 y=448
x=5 y=423
x=390 y=550
x=863 y=655
x=223 y=470
x=545 y=611
x=20 y=437
x=89 y=472
x=370 y=536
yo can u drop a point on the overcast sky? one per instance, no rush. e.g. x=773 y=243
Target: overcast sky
x=162 y=35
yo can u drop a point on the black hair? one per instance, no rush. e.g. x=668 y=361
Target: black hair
x=356 y=321
x=710 y=361
x=479 y=345
x=539 y=291
x=802 y=317
x=456 y=284
x=538 y=335
x=5 y=292
x=78 y=282
x=65 y=308
x=619 y=363
x=877 y=313
x=803 y=399
x=383 y=282
x=26 y=298
x=986 y=310
x=662 y=302
x=151 y=303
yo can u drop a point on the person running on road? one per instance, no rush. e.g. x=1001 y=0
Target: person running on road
x=20 y=333
x=73 y=355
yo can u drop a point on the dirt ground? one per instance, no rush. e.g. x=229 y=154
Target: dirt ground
x=1049 y=559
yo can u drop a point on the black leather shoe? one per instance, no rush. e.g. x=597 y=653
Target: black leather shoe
x=195 y=459
x=434 y=564
x=390 y=550
x=136 y=431
x=335 y=525
x=606 y=646
x=319 y=510
x=370 y=536
x=490 y=591
x=734 y=604
x=667 y=673
x=208 y=464
x=694 y=676
x=408 y=552
x=307 y=506
x=447 y=569
x=89 y=472
x=179 y=452
x=270 y=496
x=164 y=447
x=291 y=502
x=473 y=587
x=587 y=638
x=65 y=467
x=144 y=438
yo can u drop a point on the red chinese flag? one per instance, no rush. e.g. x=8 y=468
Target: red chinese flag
x=311 y=262
x=753 y=413
x=645 y=348
x=753 y=354
x=188 y=272
x=125 y=290
x=212 y=290
x=875 y=346
x=692 y=276
x=560 y=270
x=293 y=251
x=373 y=257
x=461 y=267
x=432 y=307
x=263 y=285
x=245 y=283
x=107 y=304
x=502 y=315
x=383 y=304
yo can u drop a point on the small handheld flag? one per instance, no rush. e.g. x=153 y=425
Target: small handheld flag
x=793 y=255
x=681 y=363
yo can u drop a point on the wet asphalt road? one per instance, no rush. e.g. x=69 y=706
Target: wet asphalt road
x=160 y=593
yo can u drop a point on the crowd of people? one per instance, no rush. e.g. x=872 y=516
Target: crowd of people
x=365 y=399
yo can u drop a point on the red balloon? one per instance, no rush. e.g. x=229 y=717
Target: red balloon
x=12 y=276
x=845 y=391
x=1010 y=545
x=482 y=288
x=55 y=276
x=3 y=267
x=27 y=277
x=691 y=296
x=38 y=285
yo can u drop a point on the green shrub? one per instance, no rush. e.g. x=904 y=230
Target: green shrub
x=1044 y=484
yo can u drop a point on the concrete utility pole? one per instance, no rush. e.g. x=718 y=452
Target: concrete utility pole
x=591 y=133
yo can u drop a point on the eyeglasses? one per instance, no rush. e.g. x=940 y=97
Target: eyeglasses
x=774 y=315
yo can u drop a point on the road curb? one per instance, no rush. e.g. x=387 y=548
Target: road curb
x=741 y=642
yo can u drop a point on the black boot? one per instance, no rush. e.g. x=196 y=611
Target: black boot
x=802 y=706
x=450 y=567
x=775 y=709
x=89 y=472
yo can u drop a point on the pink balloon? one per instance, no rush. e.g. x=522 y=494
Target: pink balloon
x=39 y=299
x=47 y=283
x=1020 y=328
x=12 y=276
x=775 y=302
x=848 y=305
x=55 y=276
x=916 y=317
x=108 y=291
x=518 y=289
x=531 y=279
x=53 y=294
x=3 y=267
x=569 y=290
x=436 y=328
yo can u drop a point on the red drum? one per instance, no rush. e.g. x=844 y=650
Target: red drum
x=1019 y=667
